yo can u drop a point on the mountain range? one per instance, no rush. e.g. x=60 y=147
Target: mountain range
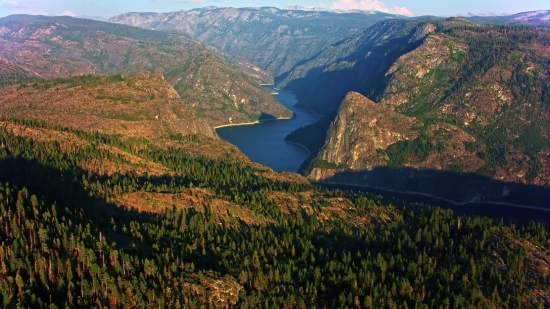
x=116 y=192
x=273 y=39
x=66 y=46
x=451 y=96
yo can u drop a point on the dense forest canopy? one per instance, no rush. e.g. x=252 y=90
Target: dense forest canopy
x=66 y=243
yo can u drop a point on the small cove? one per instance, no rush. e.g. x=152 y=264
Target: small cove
x=265 y=143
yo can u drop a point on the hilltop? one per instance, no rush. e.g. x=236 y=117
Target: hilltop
x=65 y=46
x=143 y=105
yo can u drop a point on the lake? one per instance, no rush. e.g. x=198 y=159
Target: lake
x=264 y=142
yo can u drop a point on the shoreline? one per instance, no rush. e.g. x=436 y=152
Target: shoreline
x=454 y=203
x=251 y=123
x=236 y=124
x=298 y=144
x=308 y=110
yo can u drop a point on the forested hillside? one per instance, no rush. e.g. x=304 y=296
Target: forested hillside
x=65 y=46
x=115 y=192
x=215 y=233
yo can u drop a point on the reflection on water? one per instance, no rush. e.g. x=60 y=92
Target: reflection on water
x=264 y=142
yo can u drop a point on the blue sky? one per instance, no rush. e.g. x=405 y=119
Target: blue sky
x=107 y=8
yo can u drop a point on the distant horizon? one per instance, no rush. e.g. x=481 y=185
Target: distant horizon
x=108 y=8
x=289 y=8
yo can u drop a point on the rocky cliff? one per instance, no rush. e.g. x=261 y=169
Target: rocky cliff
x=469 y=104
x=353 y=64
x=64 y=46
x=361 y=129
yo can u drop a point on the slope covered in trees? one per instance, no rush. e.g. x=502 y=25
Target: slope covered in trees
x=127 y=219
x=219 y=233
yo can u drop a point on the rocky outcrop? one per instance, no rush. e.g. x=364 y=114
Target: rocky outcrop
x=460 y=112
x=426 y=66
x=362 y=130
x=354 y=64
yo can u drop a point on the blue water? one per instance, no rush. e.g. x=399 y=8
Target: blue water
x=264 y=142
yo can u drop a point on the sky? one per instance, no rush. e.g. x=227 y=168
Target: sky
x=107 y=8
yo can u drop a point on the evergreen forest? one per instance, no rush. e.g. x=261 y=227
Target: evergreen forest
x=66 y=243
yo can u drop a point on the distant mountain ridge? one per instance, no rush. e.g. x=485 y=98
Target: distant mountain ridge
x=535 y=18
x=273 y=39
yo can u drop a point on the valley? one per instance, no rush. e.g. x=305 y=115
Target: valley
x=265 y=143
x=402 y=163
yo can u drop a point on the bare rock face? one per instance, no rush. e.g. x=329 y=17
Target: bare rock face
x=460 y=115
x=363 y=128
x=415 y=71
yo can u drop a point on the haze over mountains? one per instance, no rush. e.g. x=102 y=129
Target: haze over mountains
x=273 y=39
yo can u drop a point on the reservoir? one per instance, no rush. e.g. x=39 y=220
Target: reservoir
x=264 y=142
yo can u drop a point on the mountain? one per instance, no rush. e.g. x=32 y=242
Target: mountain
x=65 y=46
x=114 y=192
x=142 y=105
x=274 y=40
x=7 y=68
x=98 y=18
x=539 y=19
x=451 y=103
x=119 y=219
x=350 y=65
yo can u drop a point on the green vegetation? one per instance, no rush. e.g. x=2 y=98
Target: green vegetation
x=13 y=78
x=320 y=163
x=65 y=245
x=80 y=80
x=400 y=152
